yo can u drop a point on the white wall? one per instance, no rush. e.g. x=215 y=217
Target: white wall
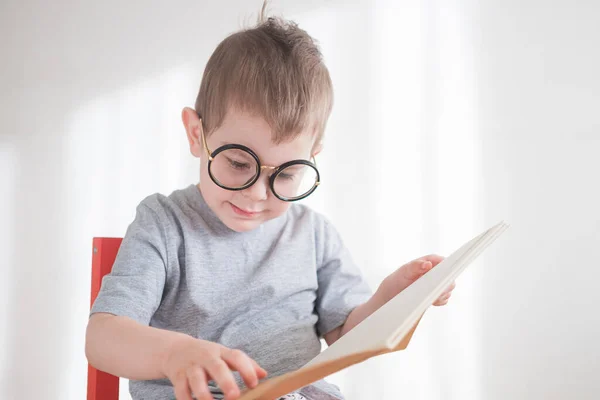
x=469 y=112
x=539 y=106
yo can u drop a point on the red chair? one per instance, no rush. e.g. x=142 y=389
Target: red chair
x=101 y=385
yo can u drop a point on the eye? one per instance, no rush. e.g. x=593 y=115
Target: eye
x=286 y=177
x=238 y=165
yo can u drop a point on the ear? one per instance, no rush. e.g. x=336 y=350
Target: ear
x=193 y=128
x=317 y=148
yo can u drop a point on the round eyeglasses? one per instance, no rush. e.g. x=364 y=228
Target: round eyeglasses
x=237 y=167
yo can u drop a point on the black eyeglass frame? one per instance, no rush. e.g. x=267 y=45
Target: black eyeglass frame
x=259 y=168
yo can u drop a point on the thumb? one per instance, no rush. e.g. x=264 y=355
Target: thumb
x=426 y=266
x=409 y=273
x=415 y=269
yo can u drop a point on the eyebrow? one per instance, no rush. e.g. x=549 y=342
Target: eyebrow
x=223 y=143
x=295 y=167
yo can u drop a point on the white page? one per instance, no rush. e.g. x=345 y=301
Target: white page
x=386 y=327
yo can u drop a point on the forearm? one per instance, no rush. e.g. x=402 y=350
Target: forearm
x=363 y=311
x=123 y=347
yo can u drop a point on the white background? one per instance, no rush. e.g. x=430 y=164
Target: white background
x=449 y=116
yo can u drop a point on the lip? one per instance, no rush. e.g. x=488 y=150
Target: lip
x=244 y=213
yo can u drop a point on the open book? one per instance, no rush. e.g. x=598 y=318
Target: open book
x=386 y=330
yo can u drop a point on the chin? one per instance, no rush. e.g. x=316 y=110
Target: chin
x=240 y=225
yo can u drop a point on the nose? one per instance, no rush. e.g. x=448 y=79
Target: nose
x=258 y=191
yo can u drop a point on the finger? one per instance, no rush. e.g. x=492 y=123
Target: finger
x=181 y=387
x=451 y=287
x=421 y=265
x=221 y=374
x=442 y=300
x=404 y=276
x=448 y=290
x=198 y=382
x=415 y=269
x=410 y=272
x=442 y=303
x=261 y=372
x=435 y=259
x=237 y=360
x=444 y=297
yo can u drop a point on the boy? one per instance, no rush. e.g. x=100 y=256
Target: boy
x=220 y=282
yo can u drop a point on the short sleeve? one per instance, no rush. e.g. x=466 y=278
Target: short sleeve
x=136 y=282
x=341 y=284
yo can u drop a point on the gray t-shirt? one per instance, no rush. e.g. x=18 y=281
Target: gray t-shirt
x=271 y=292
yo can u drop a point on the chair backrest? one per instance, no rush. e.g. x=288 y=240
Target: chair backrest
x=101 y=385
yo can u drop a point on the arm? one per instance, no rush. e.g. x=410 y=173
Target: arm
x=120 y=340
x=389 y=288
x=356 y=317
x=122 y=347
x=343 y=296
x=118 y=330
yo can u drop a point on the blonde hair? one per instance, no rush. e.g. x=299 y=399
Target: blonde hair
x=274 y=70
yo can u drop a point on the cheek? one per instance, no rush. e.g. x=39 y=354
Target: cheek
x=278 y=207
x=204 y=178
x=213 y=194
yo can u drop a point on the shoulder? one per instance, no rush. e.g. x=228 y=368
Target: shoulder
x=168 y=213
x=303 y=214
x=321 y=226
x=175 y=203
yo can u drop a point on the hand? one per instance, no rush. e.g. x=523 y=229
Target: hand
x=191 y=363
x=410 y=272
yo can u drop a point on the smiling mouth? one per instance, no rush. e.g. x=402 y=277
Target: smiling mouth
x=243 y=212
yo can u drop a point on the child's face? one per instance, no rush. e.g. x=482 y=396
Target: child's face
x=246 y=209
